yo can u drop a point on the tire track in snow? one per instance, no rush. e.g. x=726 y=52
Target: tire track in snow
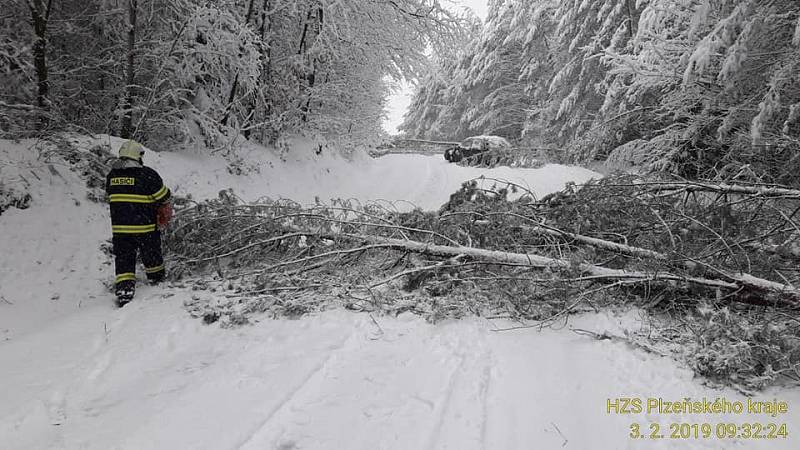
x=452 y=380
x=70 y=370
x=386 y=398
x=486 y=382
x=462 y=419
x=256 y=438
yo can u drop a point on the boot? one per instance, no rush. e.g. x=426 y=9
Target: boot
x=125 y=291
x=156 y=278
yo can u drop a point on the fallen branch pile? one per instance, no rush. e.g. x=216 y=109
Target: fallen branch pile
x=516 y=157
x=692 y=245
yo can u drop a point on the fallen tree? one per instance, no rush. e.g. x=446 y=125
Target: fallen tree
x=721 y=268
x=723 y=188
x=773 y=292
x=438 y=237
x=732 y=284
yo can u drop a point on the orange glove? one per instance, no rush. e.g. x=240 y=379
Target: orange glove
x=164 y=215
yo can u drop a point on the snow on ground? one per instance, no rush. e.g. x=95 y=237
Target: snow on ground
x=149 y=376
x=50 y=251
x=78 y=373
x=403 y=181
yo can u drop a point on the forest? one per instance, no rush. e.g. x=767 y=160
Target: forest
x=164 y=70
x=699 y=88
x=696 y=88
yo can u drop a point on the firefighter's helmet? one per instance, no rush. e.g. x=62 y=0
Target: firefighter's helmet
x=131 y=150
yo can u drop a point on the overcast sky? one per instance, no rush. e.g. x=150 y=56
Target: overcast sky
x=398 y=102
x=479 y=6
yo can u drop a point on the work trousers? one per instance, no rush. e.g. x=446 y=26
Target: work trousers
x=149 y=247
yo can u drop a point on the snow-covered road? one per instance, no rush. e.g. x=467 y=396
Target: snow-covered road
x=151 y=377
x=400 y=181
x=77 y=373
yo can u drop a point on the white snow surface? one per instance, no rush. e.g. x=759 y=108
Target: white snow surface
x=78 y=373
x=400 y=181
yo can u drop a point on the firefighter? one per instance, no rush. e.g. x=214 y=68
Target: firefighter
x=140 y=209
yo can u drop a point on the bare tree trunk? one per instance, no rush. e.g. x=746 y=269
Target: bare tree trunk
x=235 y=85
x=127 y=117
x=40 y=17
x=633 y=23
x=598 y=243
x=266 y=29
x=768 y=291
x=303 y=35
x=266 y=70
x=310 y=80
x=723 y=188
x=312 y=76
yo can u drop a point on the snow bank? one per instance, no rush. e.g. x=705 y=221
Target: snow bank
x=50 y=258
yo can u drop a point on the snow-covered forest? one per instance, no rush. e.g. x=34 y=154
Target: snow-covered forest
x=693 y=87
x=162 y=70
x=585 y=236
